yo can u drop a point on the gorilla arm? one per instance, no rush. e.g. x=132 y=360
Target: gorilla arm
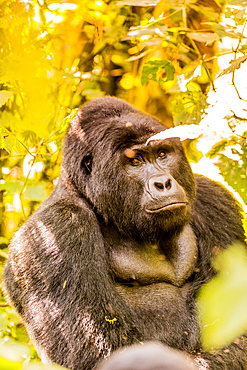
x=57 y=268
x=216 y=222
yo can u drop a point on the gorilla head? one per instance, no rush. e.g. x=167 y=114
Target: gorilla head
x=105 y=154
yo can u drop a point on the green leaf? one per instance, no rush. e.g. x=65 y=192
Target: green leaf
x=64 y=125
x=222 y=302
x=153 y=71
x=9 y=120
x=218 y=147
x=5 y=96
x=36 y=191
x=188 y=107
x=11 y=187
x=9 y=142
x=3 y=240
x=221 y=145
x=234 y=174
x=93 y=94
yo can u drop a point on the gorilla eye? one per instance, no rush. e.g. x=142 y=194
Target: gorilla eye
x=162 y=154
x=136 y=161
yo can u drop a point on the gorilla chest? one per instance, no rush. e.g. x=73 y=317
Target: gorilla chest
x=153 y=281
x=136 y=264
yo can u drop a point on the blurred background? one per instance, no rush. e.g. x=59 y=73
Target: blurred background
x=181 y=61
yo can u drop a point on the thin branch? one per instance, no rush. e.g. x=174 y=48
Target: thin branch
x=163 y=18
x=24 y=186
x=134 y=73
x=235 y=57
x=184 y=15
x=20 y=142
x=204 y=64
x=13 y=156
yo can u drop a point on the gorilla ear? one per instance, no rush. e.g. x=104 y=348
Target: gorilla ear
x=86 y=164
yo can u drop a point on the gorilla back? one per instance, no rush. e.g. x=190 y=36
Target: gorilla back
x=116 y=254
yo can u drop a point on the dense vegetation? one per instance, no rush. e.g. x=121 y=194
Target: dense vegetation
x=172 y=59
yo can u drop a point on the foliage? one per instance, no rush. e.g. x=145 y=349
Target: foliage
x=15 y=356
x=54 y=56
x=155 y=69
x=222 y=301
x=188 y=107
x=234 y=170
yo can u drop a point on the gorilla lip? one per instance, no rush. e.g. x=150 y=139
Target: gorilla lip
x=167 y=207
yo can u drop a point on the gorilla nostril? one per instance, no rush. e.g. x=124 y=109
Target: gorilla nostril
x=159 y=185
x=168 y=184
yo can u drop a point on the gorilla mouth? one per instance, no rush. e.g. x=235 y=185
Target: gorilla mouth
x=167 y=207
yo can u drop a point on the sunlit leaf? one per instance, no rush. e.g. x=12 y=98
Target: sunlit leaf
x=222 y=302
x=223 y=31
x=245 y=226
x=5 y=96
x=235 y=64
x=182 y=132
x=39 y=366
x=237 y=2
x=93 y=94
x=177 y=4
x=3 y=240
x=36 y=191
x=138 y=2
x=159 y=31
x=9 y=120
x=188 y=107
x=205 y=37
x=234 y=173
x=217 y=148
x=9 y=365
x=11 y=187
x=209 y=13
x=9 y=142
x=14 y=352
x=66 y=122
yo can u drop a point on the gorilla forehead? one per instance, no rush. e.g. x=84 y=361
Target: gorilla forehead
x=115 y=122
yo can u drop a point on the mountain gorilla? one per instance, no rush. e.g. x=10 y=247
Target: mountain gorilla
x=117 y=253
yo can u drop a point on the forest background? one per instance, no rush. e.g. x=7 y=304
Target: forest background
x=182 y=61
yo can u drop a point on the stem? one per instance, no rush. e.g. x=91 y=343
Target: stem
x=24 y=187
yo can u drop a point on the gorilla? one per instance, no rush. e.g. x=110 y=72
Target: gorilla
x=116 y=255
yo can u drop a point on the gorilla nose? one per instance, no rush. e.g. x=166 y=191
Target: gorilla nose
x=161 y=183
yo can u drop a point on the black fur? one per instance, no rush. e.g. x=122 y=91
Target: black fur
x=79 y=271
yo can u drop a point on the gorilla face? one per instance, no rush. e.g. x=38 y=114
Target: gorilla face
x=147 y=178
x=155 y=167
